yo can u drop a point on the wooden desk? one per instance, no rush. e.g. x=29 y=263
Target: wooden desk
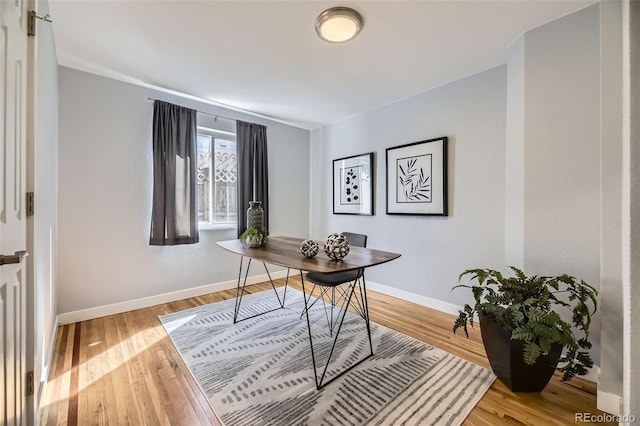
x=285 y=251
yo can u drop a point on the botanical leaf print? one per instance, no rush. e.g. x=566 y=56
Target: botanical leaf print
x=415 y=184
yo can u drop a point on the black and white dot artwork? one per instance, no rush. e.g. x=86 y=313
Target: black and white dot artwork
x=351 y=185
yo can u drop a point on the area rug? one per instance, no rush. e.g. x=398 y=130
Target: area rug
x=259 y=371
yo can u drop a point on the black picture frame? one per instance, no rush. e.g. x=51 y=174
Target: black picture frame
x=353 y=182
x=416 y=178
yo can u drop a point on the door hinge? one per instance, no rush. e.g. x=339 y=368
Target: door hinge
x=29 y=203
x=31 y=22
x=30 y=383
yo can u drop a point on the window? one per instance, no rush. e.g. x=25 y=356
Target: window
x=217 y=177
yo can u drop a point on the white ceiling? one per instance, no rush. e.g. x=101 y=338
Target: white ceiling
x=265 y=57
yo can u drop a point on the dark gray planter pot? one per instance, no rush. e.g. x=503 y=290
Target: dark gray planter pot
x=506 y=359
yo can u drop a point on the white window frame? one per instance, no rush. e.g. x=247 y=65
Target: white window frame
x=219 y=134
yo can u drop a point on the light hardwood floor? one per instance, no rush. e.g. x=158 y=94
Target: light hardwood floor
x=123 y=369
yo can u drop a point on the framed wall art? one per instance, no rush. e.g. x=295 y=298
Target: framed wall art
x=417 y=178
x=353 y=185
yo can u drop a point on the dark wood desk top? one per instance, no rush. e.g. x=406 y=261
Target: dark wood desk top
x=285 y=251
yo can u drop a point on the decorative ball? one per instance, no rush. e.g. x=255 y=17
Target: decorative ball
x=309 y=248
x=336 y=246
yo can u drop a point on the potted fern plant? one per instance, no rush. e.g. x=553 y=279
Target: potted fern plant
x=522 y=330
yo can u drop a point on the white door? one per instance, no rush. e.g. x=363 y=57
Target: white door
x=13 y=222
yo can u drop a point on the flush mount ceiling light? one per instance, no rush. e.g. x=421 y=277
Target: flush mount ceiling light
x=338 y=24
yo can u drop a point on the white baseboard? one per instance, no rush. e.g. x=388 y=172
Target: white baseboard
x=429 y=302
x=609 y=403
x=145 y=302
x=593 y=374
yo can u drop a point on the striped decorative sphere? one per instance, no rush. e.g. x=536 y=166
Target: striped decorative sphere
x=309 y=248
x=336 y=246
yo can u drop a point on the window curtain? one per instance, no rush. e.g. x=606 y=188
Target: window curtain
x=174 y=213
x=253 y=175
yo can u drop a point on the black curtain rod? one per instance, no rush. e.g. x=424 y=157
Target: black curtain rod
x=201 y=112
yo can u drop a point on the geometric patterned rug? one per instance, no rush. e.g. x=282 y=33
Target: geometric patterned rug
x=259 y=371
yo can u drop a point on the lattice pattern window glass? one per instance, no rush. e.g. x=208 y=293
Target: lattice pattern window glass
x=217 y=179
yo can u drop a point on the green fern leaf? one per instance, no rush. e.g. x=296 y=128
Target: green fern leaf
x=522 y=333
x=531 y=353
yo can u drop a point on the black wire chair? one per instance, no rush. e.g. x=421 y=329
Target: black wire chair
x=336 y=300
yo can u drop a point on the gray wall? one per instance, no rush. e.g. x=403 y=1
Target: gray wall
x=105 y=197
x=514 y=157
x=562 y=147
x=562 y=151
x=471 y=112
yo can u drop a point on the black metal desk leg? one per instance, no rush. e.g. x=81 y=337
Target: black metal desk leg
x=365 y=302
x=313 y=356
x=240 y=291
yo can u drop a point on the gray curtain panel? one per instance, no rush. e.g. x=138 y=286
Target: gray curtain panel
x=174 y=212
x=253 y=174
